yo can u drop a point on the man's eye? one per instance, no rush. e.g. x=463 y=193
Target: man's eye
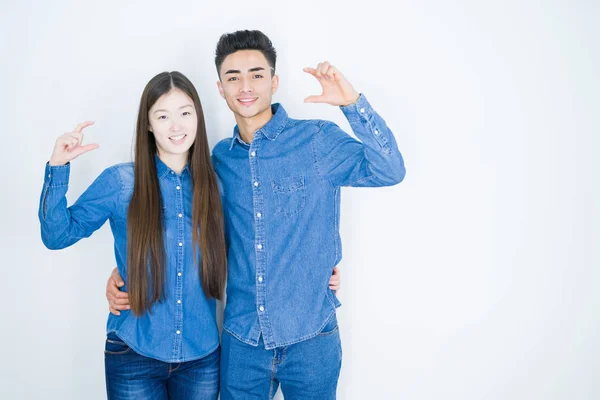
x=233 y=78
x=258 y=76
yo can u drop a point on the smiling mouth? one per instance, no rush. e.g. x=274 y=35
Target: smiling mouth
x=247 y=102
x=177 y=138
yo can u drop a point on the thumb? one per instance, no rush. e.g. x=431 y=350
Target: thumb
x=77 y=151
x=315 y=99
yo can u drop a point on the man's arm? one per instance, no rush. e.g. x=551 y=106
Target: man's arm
x=118 y=300
x=342 y=160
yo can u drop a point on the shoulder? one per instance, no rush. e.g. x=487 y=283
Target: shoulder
x=121 y=174
x=221 y=148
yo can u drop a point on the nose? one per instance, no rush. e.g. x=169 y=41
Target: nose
x=245 y=87
x=175 y=125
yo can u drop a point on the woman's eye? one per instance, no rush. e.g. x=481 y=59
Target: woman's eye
x=162 y=117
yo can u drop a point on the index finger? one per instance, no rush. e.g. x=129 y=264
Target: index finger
x=82 y=125
x=311 y=71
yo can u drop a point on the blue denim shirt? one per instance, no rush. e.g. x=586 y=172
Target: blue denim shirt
x=181 y=328
x=281 y=198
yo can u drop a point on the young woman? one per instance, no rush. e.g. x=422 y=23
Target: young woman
x=166 y=218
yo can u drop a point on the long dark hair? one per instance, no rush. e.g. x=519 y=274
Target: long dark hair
x=145 y=249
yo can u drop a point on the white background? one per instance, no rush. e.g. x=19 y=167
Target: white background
x=475 y=278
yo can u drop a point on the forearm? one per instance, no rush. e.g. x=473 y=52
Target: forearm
x=383 y=160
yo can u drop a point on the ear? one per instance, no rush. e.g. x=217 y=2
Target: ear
x=220 y=86
x=274 y=84
x=150 y=128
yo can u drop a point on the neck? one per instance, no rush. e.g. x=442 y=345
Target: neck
x=176 y=162
x=248 y=126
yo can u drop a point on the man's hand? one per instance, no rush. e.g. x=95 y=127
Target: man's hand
x=117 y=300
x=337 y=91
x=335 y=280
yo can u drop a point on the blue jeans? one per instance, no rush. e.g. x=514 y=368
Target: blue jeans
x=130 y=375
x=305 y=370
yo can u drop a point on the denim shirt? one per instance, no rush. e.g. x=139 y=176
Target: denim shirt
x=183 y=326
x=281 y=199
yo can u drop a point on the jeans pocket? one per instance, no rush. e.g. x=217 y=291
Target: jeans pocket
x=115 y=346
x=330 y=328
x=290 y=195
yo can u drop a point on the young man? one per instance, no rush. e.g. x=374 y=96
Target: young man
x=281 y=181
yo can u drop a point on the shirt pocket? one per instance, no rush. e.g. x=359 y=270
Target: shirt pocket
x=290 y=195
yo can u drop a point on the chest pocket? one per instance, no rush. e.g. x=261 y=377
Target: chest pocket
x=290 y=195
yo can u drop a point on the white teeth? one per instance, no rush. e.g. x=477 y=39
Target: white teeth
x=176 y=138
x=246 y=100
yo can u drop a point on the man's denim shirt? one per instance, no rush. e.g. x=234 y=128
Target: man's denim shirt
x=181 y=328
x=281 y=198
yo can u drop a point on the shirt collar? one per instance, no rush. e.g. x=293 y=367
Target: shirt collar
x=271 y=130
x=162 y=170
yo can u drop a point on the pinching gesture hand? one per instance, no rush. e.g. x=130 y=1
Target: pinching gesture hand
x=69 y=146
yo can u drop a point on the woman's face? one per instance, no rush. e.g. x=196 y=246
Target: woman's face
x=174 y=123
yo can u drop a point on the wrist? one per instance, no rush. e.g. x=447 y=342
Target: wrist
x=352 y=100
x=55 y=163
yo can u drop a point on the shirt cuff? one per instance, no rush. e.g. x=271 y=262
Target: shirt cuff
x=57 y=175
x=357 y=110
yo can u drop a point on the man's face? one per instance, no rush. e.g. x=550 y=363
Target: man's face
x=246 y=84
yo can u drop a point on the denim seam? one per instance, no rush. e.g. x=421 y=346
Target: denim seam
x=271 y=394
x=364 y=178
x=44 y=201
x=302 y=339
x=316 y=159
x=336 y=228
x=331 y=332
x=118 y=353
x=247 y=341
x=302 y=192
x=183 y=359
x=171 y=370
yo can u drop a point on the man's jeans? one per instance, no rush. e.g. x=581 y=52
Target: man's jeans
x=130 y=375
x=305 y=370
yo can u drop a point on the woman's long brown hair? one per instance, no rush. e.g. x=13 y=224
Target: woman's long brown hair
x=146 y=261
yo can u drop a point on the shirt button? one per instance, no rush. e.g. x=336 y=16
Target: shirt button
x=178 y=332
x=260 y=278
x=376 y=132
x=255 y=183
x=259 y=246
x=180 y=215
x=258 y=215
x=172 y=172
x=253 y=153
x=49 y=175
x=362 y=110
x=177 y=187
x=261 y=308
x=178 y=301
x=179 y=274
x=180 y=244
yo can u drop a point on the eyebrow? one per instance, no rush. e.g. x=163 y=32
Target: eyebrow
x=161 y=110
x=237 y=71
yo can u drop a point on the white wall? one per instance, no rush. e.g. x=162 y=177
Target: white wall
x=476 y=278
